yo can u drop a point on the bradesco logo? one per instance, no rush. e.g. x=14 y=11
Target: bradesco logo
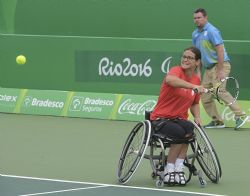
x=42 y=103
x=76 y=103
x=87 y=104
x=136 y=108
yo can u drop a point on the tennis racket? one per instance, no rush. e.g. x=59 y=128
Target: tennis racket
x=227 y=89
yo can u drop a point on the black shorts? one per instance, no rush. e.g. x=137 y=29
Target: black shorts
x=173 y=128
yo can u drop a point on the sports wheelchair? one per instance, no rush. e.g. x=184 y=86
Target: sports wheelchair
x=143 y=136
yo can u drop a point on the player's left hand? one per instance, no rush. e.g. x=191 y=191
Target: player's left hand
x=197 y=120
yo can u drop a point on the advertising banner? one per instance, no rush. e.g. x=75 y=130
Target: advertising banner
x=133 y=107
x=8 y=99
x=228 y=116
x=43 y=102
x=91 y=105
x=123 y=66
x=95 y=105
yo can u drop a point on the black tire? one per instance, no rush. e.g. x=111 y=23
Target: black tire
x=133 y=151
x=206 y=155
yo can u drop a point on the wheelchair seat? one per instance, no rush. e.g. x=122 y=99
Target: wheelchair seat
x=167 y=139
x=171 y=140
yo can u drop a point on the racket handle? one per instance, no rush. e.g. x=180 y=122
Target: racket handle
x=196 y=90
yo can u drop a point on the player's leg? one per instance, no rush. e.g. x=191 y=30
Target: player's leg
x=173 y=130
x=169 y=170
x=179 y=163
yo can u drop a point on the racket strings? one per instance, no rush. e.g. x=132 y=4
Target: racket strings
x=228 y=91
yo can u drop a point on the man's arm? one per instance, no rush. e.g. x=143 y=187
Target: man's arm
x=220 y=53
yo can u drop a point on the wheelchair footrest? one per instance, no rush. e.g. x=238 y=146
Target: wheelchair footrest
x=191 y=168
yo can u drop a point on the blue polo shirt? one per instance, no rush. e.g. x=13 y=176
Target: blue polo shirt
x=206 y=40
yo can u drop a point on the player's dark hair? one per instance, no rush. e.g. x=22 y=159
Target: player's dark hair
x=196 y=51
x=201 y=10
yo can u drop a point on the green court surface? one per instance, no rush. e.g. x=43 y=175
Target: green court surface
x=45 y=155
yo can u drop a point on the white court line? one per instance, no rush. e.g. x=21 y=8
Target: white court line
x=91 y=37
x=99 y=37
x=61 y=191
x=111 y=185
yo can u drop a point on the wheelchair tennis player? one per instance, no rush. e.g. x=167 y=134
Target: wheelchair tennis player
x=170 y=114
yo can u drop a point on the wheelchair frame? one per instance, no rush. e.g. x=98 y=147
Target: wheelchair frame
x=142 y=136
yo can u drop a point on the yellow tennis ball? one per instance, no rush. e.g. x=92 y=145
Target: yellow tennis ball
x=21 y=59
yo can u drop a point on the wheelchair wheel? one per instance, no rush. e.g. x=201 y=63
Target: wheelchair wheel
x=133 y=151
x=206 y=155
x=219 y=165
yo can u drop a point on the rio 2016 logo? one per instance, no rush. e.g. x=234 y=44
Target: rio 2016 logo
x=127 y=68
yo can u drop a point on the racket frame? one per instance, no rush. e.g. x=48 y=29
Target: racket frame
x=216 y=89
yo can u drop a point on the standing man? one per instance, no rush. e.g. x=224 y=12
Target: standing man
x=217 y=66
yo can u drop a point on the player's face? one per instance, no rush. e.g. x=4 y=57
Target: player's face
x=200 y=20
x=188 y=60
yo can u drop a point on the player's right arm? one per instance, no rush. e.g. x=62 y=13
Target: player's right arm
x=176 y=82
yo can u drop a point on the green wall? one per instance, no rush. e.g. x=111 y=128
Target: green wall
x=7 y=15
x=129 y=18
x=64 y=41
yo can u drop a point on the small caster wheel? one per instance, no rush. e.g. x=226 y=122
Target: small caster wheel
x=203 y=183
x=159 y=183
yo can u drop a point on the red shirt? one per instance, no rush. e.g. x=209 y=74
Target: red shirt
x=175 y=102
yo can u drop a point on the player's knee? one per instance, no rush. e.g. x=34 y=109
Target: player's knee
x=188 y=135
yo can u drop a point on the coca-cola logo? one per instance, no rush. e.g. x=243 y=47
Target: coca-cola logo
x=136 y=108
x=228 y=115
